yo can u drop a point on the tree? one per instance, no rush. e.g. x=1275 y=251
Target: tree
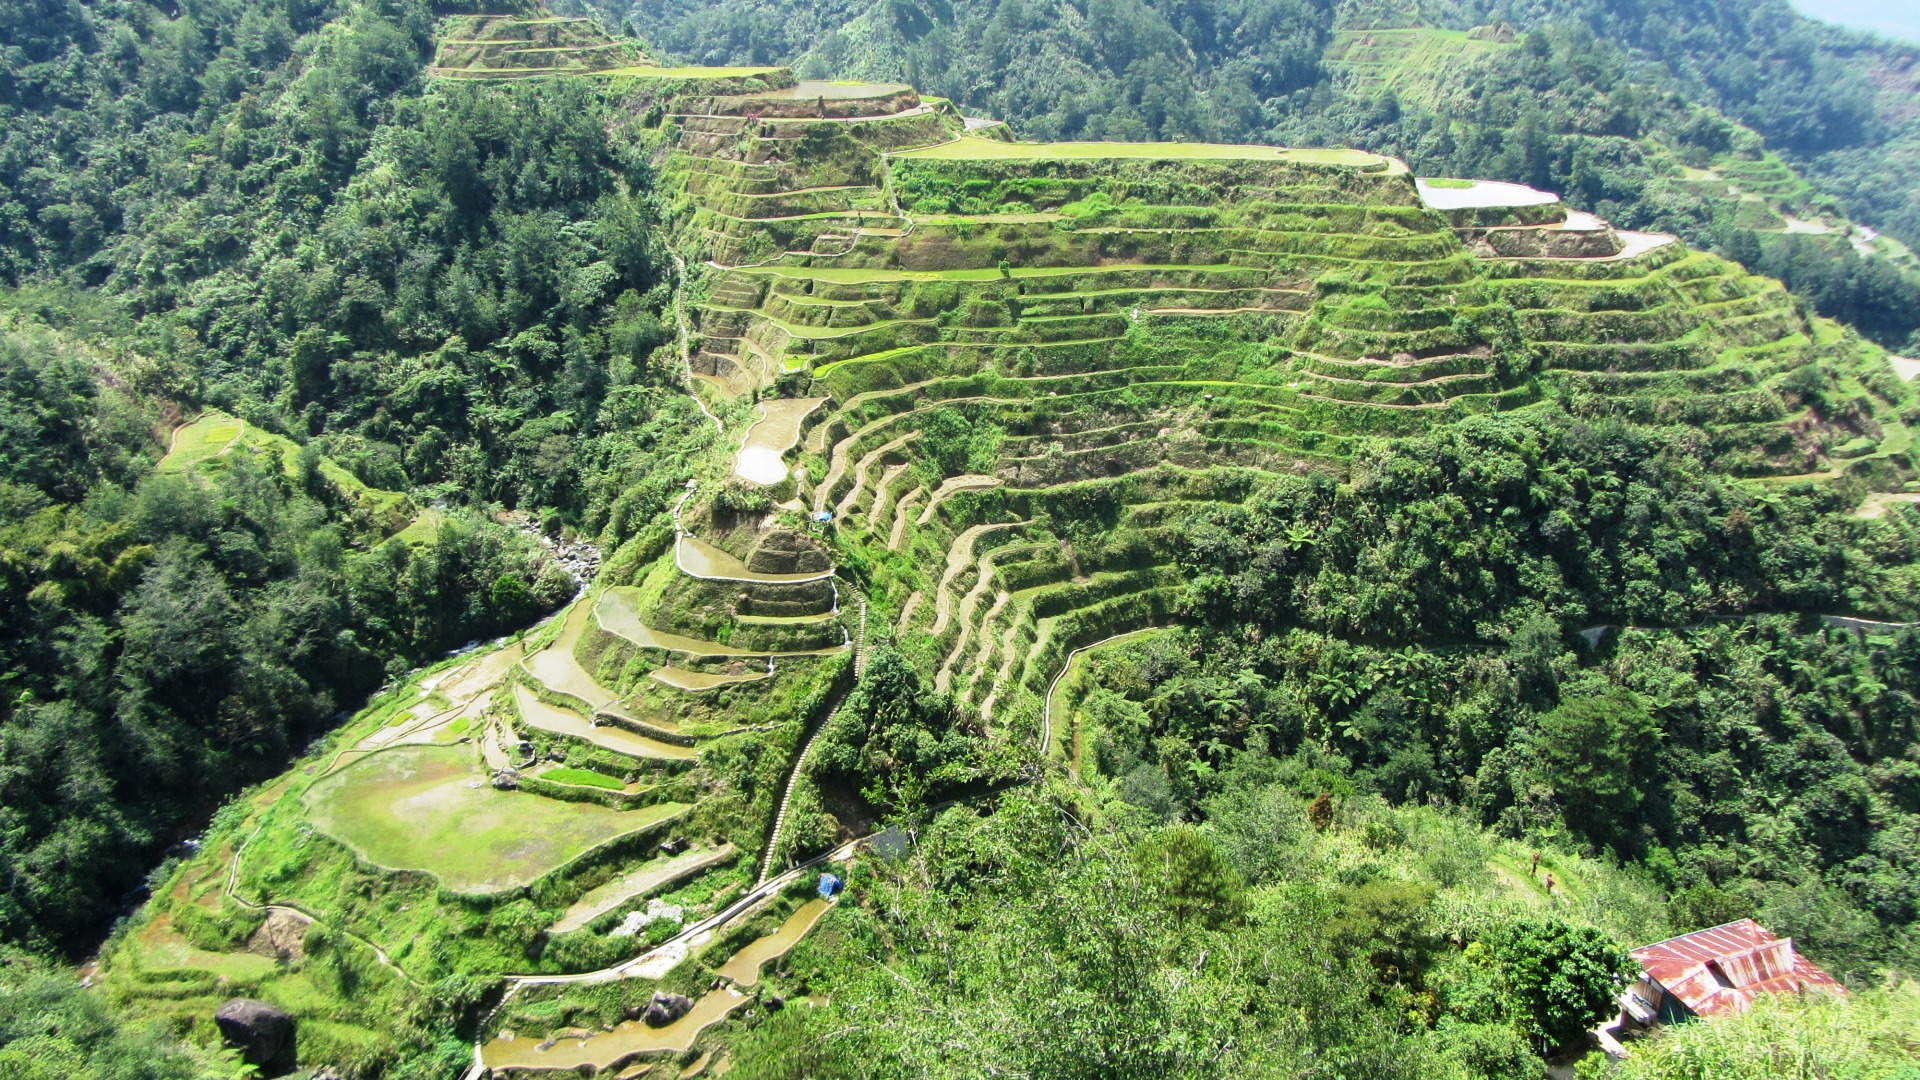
x=1186 y=874
x=895 y=735
x=1593 y=750
x=511 y=597
x=1558 y=979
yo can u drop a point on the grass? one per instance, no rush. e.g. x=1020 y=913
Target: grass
x=971 y=149
x=161 y=948
x=841 y=275
x=422 y=530
x=216 y=435
x=213 y=434
x=420 y=808
x=583 y=778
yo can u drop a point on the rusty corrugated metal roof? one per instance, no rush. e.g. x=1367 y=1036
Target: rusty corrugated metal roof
x=1722 y=969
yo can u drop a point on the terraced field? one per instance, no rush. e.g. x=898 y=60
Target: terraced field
x=411 y=808
x=990 y=382
x=1407 y=60
x=214 y=439
x=1010 y=335
x=517 y=47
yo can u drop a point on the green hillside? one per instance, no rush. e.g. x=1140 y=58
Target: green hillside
x=1192 y=480
x=1610 y=103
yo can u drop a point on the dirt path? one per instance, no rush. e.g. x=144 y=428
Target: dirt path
x=883 y=495
x=983 y=652
x=233 y=875
x=680 y=319
x=862 y=472
x=959 y=557
x=1879 y=503
x=968 y=604
x=900 y=511
x=841 y=457
x=1046 y=711
x=1006 y=669
x=952 y=485
x=989 y=564
x=906 y=611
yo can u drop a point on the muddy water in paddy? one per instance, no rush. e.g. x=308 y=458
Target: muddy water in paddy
x=556 y=666
x=682 y=679
x=639 y=882
x=614 y=1048
x=632 y=1039
x=767 y=442
x=744 y=968
x=619 y=615
x=703 y=560
x=560 y=721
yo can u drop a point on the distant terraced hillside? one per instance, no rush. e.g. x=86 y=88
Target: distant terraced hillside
x=510 y=46
x=1035 y=358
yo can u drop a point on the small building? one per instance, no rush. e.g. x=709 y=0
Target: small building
x=1717 y=972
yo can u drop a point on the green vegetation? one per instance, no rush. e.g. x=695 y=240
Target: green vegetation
x=583 y=777
x=1373 y=941
x=992 y=150
x=1654 y=120
x=416 y=809
x=52 y=1029
x=1872 y=1033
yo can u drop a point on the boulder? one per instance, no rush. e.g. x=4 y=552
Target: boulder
x=262 y=1033
x=666 y=1008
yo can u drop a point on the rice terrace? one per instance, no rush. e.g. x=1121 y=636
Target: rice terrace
x=937 y=602
x=415 y=808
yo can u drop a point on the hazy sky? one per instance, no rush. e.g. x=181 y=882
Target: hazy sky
x=1895 y=18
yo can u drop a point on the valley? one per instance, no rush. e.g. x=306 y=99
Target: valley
x=971 y=394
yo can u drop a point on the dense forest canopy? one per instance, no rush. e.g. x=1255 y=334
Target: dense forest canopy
x=451 y=293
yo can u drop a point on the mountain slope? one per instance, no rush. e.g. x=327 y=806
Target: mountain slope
x=1607 y=104
x=1321 y=463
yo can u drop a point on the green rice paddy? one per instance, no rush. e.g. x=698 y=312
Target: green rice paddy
x=427 y=808
x=213 y=434
x=583 y=778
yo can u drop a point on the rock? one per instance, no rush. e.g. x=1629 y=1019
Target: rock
x=666 y=1008
x=262 y=1033
x=775 y=1003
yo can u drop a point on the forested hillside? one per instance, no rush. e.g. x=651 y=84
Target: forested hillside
x=537 y=550
x=1619 y=108
x=260 y=208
